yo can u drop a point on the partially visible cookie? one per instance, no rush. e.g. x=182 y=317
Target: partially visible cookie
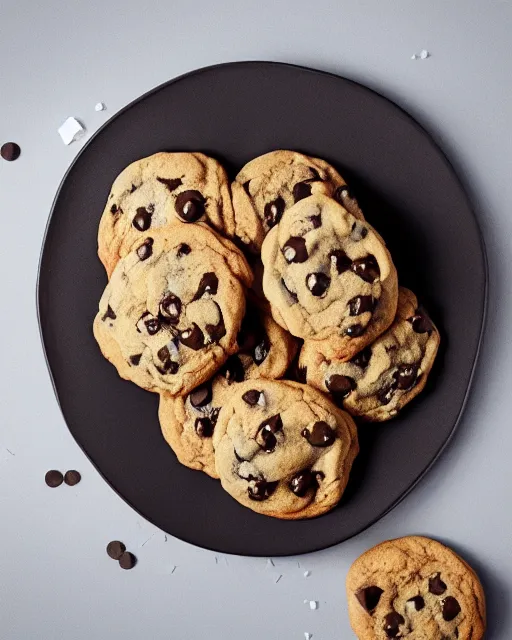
x=414 y=588
x=378 y=381
x=188 y=422
x=282 y=449
x=270 y=184
x=170 y=315
x=156 y=191
x=329 y=276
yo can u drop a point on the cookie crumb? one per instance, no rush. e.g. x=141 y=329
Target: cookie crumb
x=100 y=106
x=71 y=130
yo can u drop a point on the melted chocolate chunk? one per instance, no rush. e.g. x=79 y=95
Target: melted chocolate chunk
x=192 y=338
x=251 y=397
x=204 y=427
x=209 y=284
x=301 y=190
x=145 y=250
x=153 y=326
x=392 y=624
x=418 y=602
x=341 y=260
x=266 y=438
x=171 y=184
x=321 y=435
x=318 y=283
x=360 y=304
x=273 y=211
x=451 y=608
x=246 y=187
x=261 y=350
x=109 y=313
x=386 y=393
x=316 y=221
x=183 y=250
x=142 y=219
x=302 y=482
x=163 y=354
x=113 y=209
x=340 y=386
x=261 y=490
x=366 y=268
x=362 y=358
x=201 y=396
x=436 y=585
x=135 y=359
x=295 y=250
x=355 y=330
x=170 y=308
x=293 y=296
x=406 y=375
x=190 y=205
x=421 y=323
x=369 y=597
x=233 y=370
x=216 y=331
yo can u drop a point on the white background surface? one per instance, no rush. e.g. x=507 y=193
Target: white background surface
x=59 y=59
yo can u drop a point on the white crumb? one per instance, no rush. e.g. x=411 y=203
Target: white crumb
x=414 y=56
x=306 y=601
x=424 y=54
x=307 y=574
x=100 y=106
x=313 y=604
x=307 y=635
x=71 y=130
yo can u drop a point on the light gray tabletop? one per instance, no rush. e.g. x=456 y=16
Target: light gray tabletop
x=59 y=59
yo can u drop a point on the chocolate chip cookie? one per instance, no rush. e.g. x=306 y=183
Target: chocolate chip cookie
x=382 y=378
x=265 y=350
x=283 y=449
x=170 y=315
x=156 y=191
x=269 y=184
x=329 y=276
x=414 y=588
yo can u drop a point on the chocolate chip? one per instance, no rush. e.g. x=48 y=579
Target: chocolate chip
x=183 y=250
x=153 y=326
x=451 y=608
x=386 y=393
x=233 y=370
x=366 y=268
x=301 y=190
x=341 y=193
x=109 y=313
x=318 y=283
x=115 y=549
x=135 y=359
x=360 y=304
x=421 y=323
x=114 y=209
x=392 y=624
x=53 y=478
x=261 y=350
x=192 y=338
x=127 y=560
x=355 y=330
x=362 y=358
x=251 y=397
x=170 y=308
x=246 y=187
x=10 y=151
x=321 y=435
x=145 y=250
x=261 y=490
x=133 y=188
x=172 y=183
x=265 y=437
x=340 y=386
x=142 y=219
x=316 y=221
x=302 y=482
x=209 y=284
x=291 y=295
x=190 y=205
x=204 y=427
x=164 y=354
x=369 y=597
x=418 y=602
x=216 y=331
x=436 y=585
x=201 y=396
x=169 y=367
x=341 y=261
x=273 y=211
x=295 y=250
x=72 y=477
x=406 y=375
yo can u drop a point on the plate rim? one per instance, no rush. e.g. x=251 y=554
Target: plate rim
x=485 y=268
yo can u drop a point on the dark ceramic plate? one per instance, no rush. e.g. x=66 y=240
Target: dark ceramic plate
x=407 y=189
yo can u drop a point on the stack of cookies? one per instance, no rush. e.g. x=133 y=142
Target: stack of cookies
x=218 y=291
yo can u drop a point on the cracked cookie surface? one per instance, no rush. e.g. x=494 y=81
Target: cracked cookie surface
x=414 y=588
x=268 y=185
x=382 y=378
x=154 y=192
x=282 y=449
x=170 y=315
x=329 y=276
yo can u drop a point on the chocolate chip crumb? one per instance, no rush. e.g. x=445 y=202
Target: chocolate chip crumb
x=53 y=478
x=115 y=549
x=72 y=477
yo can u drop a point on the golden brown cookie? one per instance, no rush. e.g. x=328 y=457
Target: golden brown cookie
x=414 y=588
